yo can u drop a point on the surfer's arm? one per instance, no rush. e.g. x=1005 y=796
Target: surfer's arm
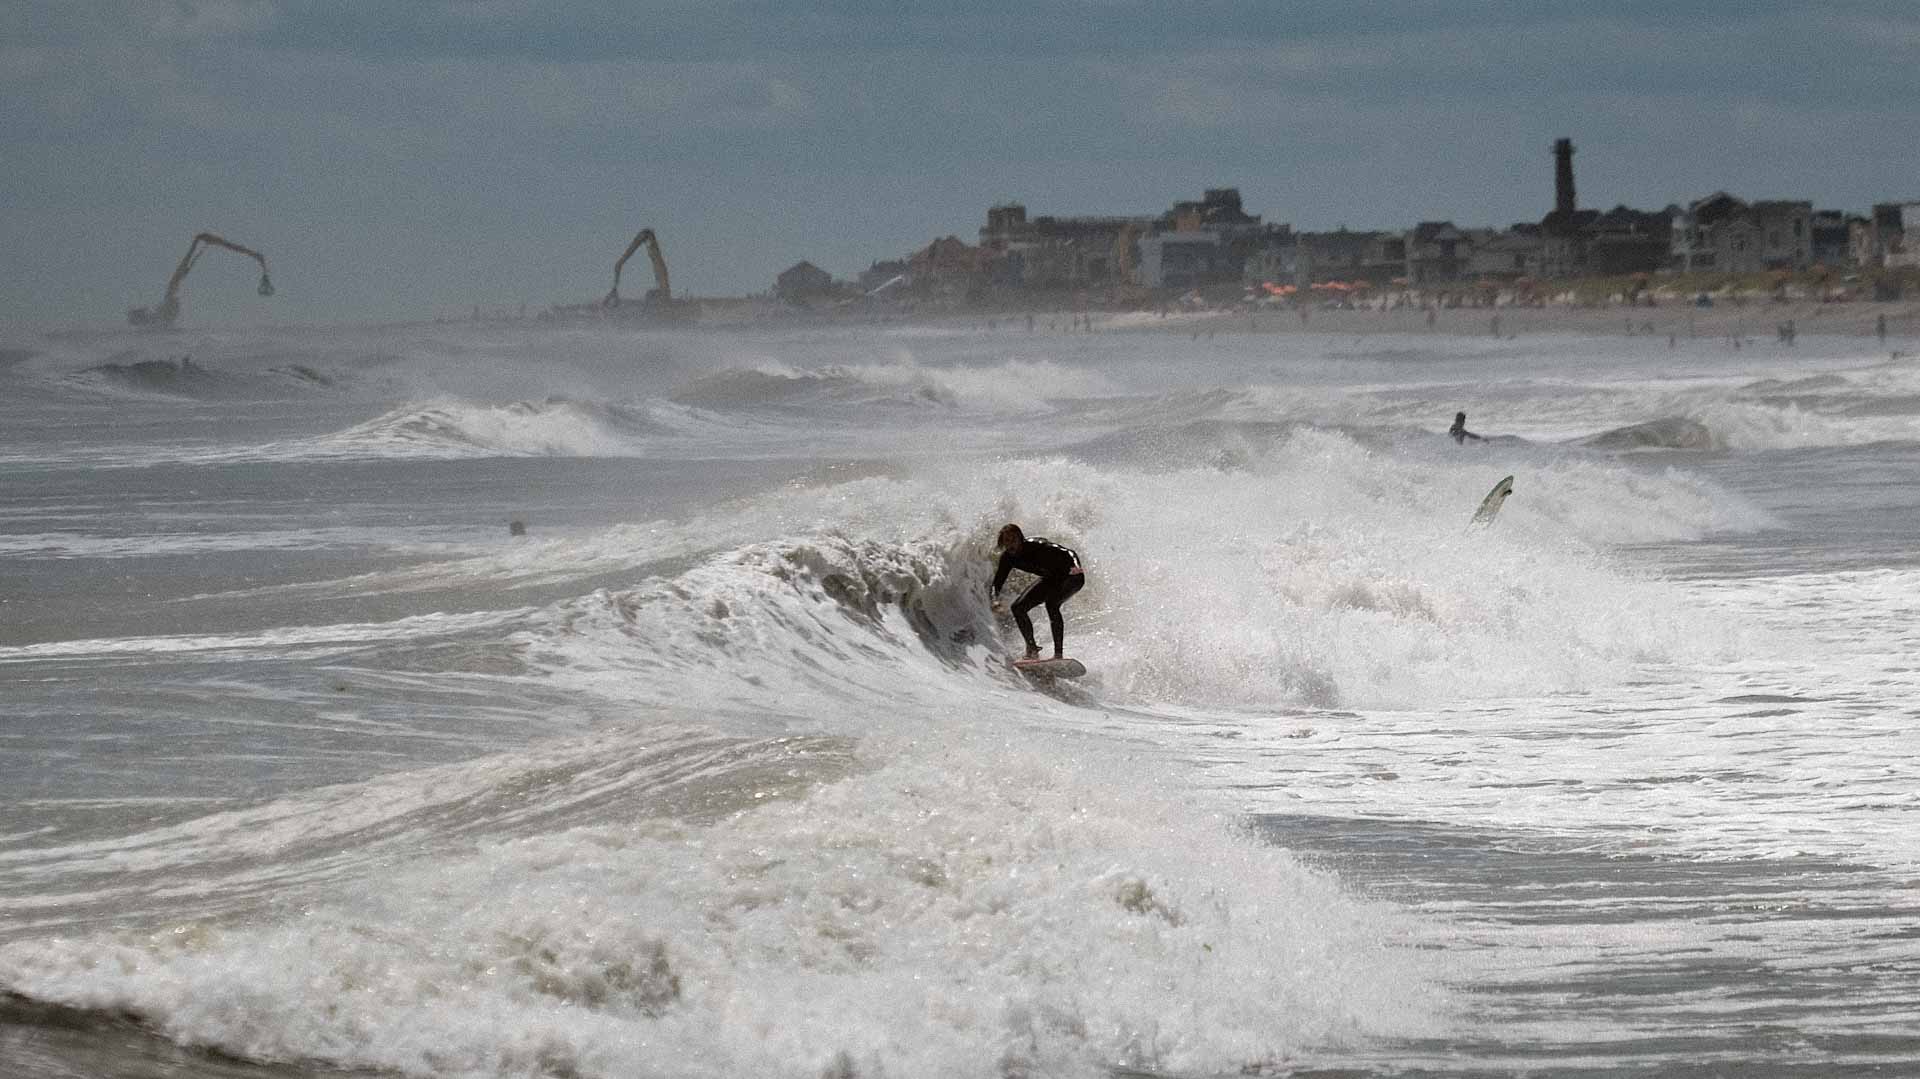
x=1000 y=574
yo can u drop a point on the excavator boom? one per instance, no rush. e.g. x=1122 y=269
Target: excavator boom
x=169 y=306
x=663 y=292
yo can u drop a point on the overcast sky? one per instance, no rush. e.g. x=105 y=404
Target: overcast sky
x=401 y=159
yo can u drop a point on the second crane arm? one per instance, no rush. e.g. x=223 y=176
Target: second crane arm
x=663 y=291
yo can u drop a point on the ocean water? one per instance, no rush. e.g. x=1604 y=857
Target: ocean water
x=310 y=765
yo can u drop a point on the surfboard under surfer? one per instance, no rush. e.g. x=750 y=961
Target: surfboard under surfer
x=1060 y=576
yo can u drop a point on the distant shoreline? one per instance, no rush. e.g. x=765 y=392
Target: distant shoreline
x=1749 y=323
x=1747 y=319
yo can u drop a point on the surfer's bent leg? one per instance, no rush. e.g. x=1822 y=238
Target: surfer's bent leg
x=1062 y=590
x=1028 y=600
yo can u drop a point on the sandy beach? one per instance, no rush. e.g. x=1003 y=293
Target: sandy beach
x=1751 y=322
x=1747 y=323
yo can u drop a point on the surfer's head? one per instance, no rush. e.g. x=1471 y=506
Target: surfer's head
x=1010 y=538
x=1459 y=419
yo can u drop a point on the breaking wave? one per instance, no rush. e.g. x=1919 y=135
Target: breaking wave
x=1311 y=571
x=168 y=378
x=185 y=378
x=1734 y=425
x=1671 y=433
x=1006 y=387
x=1016 y=912
x=555 y=427
x=922 y=853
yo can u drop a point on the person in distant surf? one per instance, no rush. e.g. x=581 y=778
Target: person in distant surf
x=1459 y=429
x=1060 y=577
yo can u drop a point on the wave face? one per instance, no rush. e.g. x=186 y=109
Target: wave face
x=1669 y=433
x=556 y=427
x=1017 y=386
x=716 y=765
x=1302 y=580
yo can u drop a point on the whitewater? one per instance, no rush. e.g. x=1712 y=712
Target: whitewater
x=530 y=699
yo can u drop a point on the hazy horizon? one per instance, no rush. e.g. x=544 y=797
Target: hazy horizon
x=411 y=163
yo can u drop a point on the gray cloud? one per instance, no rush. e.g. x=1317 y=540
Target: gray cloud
x=406 y=159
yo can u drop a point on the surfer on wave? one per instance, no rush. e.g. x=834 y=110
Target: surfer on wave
x=1060 y=577
x=1459 y=429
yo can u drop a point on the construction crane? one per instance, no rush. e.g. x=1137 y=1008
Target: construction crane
x=662 y=292
x=169 y=307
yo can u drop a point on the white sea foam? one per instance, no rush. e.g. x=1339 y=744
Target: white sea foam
x=61 y=545
x=1782 y=733
x=965 y=908
x=304 y=641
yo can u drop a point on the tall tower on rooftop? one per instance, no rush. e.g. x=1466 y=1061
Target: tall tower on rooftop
x=1563 y=200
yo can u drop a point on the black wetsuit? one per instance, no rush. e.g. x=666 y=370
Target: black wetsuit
x=1060 y=577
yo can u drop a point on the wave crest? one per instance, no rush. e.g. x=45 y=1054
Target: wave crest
x=1669 y=433
x=847 y=619
x=555 y=427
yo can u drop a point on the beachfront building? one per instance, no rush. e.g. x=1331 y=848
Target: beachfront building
x=1507 y=255
x=1188 y=259
x=949 y=268
x=1728 y=235
x=1341 y=255
x=1712 y=234
x=801 y=282
x=1905 y=250
x=1786 y=233
x=1273 y=257
x=1561 y=252
x=1829 y=238
x=1619 y=241
x=1624 y=240
x=1049 y=252
x=1218 y=210
x=1870 y=238
x=1576 y=242
x=1889 y=237
x=1436 y=253
x=1204 y=242
x=1088 y=251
